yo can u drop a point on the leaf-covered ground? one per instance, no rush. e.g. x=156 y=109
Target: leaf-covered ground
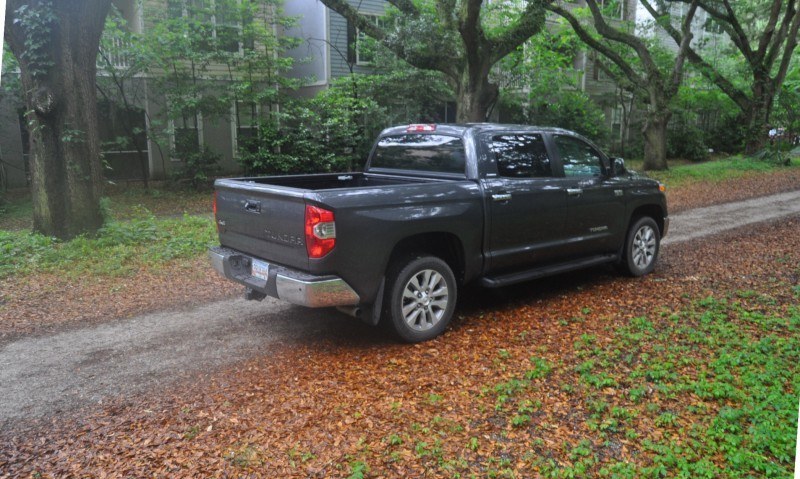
x=692 y=372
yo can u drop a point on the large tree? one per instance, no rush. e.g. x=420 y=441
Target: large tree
x=56 y=44
x=636 y=61
x=764 y=33
x=454 y=37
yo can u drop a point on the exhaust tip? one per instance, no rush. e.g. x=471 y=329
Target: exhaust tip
x=354 y=311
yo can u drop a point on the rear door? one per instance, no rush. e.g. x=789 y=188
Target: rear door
x=595 y=201
x=526 y=203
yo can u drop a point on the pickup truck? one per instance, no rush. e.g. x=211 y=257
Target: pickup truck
x=437 y=206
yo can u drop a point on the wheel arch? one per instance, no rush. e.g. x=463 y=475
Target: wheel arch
x=443 y=245
x=651 y=210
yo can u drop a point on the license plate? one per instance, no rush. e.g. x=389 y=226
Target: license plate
x=260 y=269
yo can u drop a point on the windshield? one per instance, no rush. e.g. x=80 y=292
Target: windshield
x=439 y=153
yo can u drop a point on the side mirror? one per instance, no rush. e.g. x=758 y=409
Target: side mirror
x=617 y=166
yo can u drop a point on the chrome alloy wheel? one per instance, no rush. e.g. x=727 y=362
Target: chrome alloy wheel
x=644 y=247
x=425 y=298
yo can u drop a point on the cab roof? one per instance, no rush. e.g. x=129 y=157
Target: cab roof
x=459 y=129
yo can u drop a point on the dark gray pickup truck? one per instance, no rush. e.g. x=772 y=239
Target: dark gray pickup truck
x=437 y=206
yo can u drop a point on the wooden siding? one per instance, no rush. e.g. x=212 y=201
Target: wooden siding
x=338 y=38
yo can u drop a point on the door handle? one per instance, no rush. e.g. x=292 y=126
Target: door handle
x=500 y=197
x=252 y=206
x=574 y=191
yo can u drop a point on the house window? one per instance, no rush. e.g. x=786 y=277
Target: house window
x=365 y=49
x=215 y=23
x=187 y=135
x=244 y=126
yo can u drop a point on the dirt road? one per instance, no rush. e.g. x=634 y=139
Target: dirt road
x=44 y=375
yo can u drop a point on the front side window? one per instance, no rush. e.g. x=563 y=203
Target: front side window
x=521 y=156
x=578 y=157
x=438 y=153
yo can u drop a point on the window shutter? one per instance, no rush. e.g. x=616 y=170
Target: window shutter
x=351 y=42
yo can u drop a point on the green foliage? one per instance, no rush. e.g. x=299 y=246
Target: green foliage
x=569 y=109
x=37 y=23
x=198 y=167
x=538 y=87
x=204 y=59
x=119 y=248
x=733 y=359
x=335 y=130
x=715 y=171
x=685 y=138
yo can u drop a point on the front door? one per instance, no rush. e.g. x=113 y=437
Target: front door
x=595 y=201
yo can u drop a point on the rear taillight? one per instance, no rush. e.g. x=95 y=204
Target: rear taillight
x=214 y=208
x=320 y=231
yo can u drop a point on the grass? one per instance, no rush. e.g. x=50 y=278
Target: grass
x=146 y=229
x=120 y=248
x=716 y=171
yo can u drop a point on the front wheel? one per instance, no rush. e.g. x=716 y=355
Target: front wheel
x=421 y=299
x=641 y=247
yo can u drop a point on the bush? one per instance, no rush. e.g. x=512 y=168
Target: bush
x=199 y=167
x=335 y=130
x=684 y=138
x=728 y=137
x=572 y=110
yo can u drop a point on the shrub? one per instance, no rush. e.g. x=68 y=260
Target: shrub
x=198 y=166
x=572 y=110
x=684 y=138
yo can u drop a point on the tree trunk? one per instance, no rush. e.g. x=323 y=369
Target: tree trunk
x=655 y=140
x=756 y=117
x=61 y=104
x=474 y=97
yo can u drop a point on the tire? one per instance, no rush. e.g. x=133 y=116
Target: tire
x=421 y=298
x=642 y=245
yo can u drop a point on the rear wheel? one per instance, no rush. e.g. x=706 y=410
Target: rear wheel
x=421 y=299
x=641 y=247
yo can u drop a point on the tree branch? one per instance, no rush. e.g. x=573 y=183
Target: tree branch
x=708 y=71
x=631 y=41
x=426 y=62
x=769 y=30
x=530 y=22
x=788 y=29
x=600 y=47
x=405 y=6
x=677 y=70
x=788 y=50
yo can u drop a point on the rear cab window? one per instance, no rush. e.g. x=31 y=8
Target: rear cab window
x=435 y=153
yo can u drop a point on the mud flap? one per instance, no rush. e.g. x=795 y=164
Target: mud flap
x=372 y=314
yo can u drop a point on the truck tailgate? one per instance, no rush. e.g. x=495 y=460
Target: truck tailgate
x=264 y=221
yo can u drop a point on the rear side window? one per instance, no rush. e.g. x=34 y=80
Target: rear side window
x=437 y=153
x=521 y=156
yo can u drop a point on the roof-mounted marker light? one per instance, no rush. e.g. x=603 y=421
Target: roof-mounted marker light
x=420 y=128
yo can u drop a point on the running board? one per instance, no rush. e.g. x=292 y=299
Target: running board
x=519 y=277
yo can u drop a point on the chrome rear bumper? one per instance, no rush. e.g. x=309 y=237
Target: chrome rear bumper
x=284 y=283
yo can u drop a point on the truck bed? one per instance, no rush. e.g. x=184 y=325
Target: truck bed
x=335 y=181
